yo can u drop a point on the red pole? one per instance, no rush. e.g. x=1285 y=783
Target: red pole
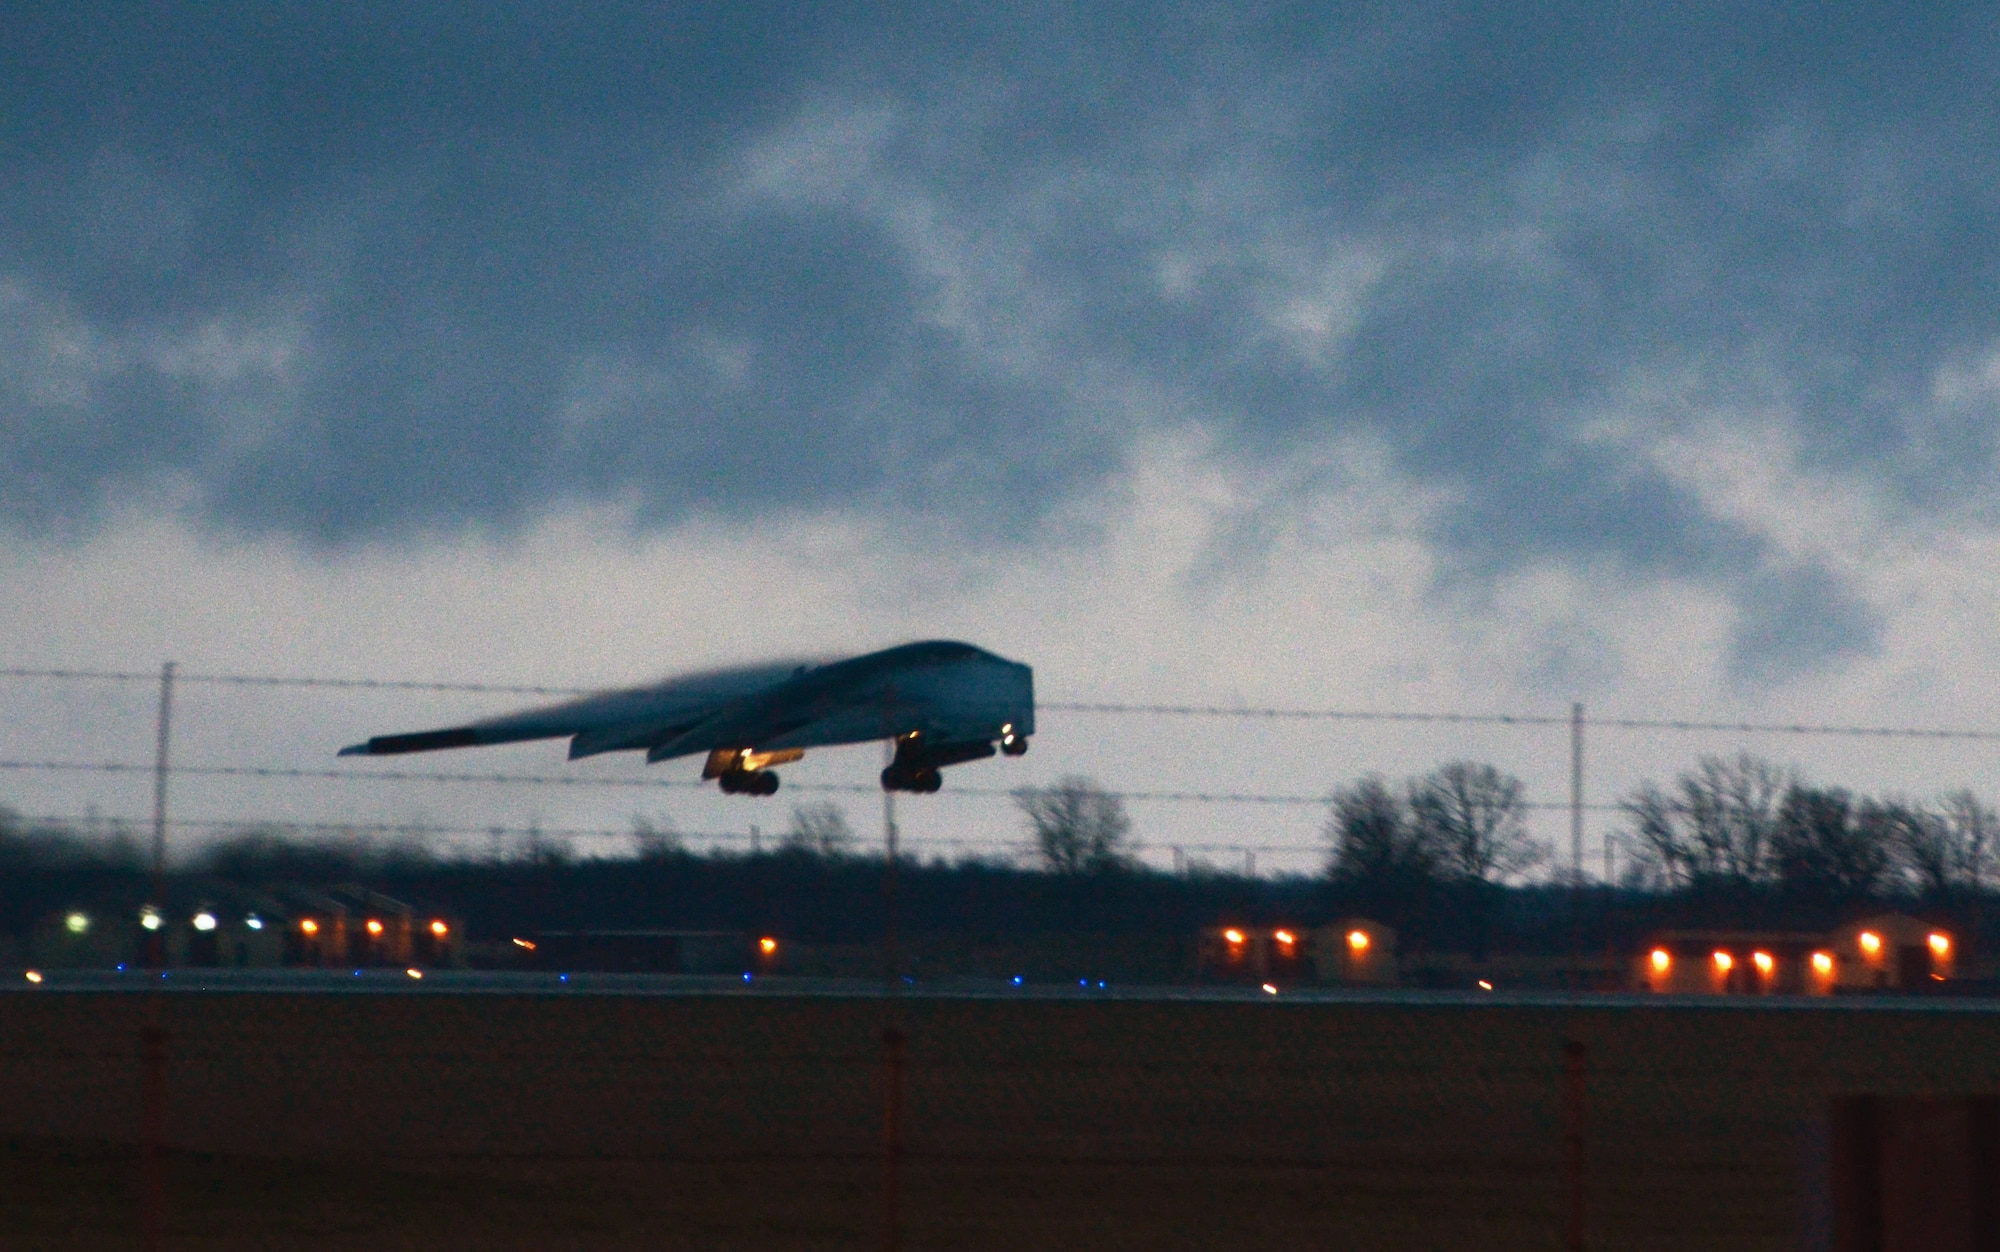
x=892 y=1139
x=1573 y=1060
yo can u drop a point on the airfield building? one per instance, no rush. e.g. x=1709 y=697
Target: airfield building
x=1887 y=952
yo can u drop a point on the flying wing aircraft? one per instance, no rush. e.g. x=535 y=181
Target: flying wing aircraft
x=943 y=703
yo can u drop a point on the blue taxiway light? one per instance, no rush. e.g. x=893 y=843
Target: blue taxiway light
x=1017 y=980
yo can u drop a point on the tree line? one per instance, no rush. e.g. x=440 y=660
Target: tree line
x=1730 y=824
x=1448 y=857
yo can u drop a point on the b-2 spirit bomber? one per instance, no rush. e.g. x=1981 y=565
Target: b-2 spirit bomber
x=943 y=703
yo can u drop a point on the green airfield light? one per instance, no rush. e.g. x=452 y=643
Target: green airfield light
x=77 y=923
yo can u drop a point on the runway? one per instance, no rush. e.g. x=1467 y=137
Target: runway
x=459 y=982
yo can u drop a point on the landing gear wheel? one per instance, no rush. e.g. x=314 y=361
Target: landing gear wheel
x=922 y=780
x=743 y=782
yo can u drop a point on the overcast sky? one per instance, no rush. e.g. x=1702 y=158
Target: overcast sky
x=1439 y=357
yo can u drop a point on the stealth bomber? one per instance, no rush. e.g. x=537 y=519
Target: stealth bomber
x=942 y=703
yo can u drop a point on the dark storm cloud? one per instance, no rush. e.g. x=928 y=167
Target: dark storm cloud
x=356 y=272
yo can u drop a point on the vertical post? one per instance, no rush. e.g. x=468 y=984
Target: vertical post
x=1576 y=792
x=155 y=941
x=1573 y=1064
x=891 y=958
x=153 y=1036
x=892 y=1139
x=162 y=763
x=1576 y=975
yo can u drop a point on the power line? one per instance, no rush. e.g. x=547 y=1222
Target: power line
x=1098 y=707
x=587 y=780
x=1304 y=715
x=601 y=832
x=267 y=680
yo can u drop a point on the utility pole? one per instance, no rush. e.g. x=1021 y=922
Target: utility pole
x=153 y=1035
x=1576 y=793
x=892 y=958
x=1576 y=976
x=162 y=766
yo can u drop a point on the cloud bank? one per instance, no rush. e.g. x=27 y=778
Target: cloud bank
x=1590 y=281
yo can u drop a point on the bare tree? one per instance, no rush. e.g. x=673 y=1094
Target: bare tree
x=1473 y=819
x=1375 y=844
x=1716 y=823
x=1974 y=831
x=1822 y=847
x=1943 y=851
x=820 y=829
x=1078 y=826
x=655 y=841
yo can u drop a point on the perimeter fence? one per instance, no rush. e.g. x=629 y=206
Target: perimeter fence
x=1554 y=735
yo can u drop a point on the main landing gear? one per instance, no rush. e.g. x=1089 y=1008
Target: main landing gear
x=746 y=782
x=922 y=779
x=919 y=764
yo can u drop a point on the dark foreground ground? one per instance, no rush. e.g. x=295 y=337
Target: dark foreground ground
x=722 y=1122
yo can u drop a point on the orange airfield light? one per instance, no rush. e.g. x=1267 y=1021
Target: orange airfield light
x=1233 y=935
x=1940 y=944
x=374 y=927
x=308 y=927
x=439 y=929
x=767 y=945
x=1822 y=963
x=1357 y=940
x=1764 y=962
x=1871 y=943
x=1285 y=937
x=1661 y=961
x=1724 y=962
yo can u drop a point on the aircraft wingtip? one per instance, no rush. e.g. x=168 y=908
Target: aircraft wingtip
x=354 y=749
